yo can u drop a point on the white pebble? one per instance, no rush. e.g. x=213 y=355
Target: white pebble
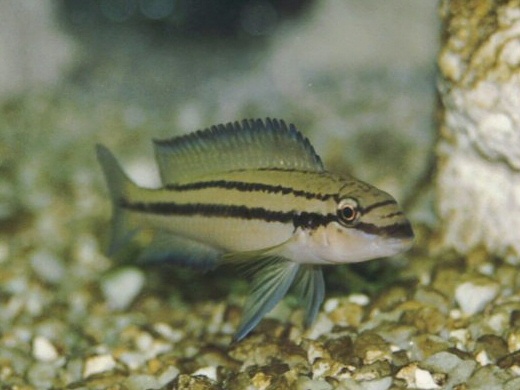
x=167 y=332
x=322 y=325
x=47 y=266
x=424 y=380
x=122 y=286
x=330 y=305
x=98 y=364
x=473 y=298
x=377 y=384
x=138 y=382
x=359 y=299
x=305 y=383
x=483 y=359
x=133 y=360
x=43 y=350
x=168 y=375
x=209 y=372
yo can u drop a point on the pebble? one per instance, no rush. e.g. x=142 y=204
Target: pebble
x=371 y=347
x=47 y=266
x=168 y=375
x=98 y=364
x=42 y=375
x=305 y=383
x=457 y=370
x=493 y=346
x=513 y=339
x=417 y=378
x=122 y=286
x=424 y=380
x=209 y=372
x=139 y=382
x=44 y=350
x=473 y=296
x=323 y=325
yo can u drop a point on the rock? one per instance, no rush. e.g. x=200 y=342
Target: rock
x=478 y=180
x=493 y=346
x=122 y=286
x=43 y=350
x=139 y=382
x=41 y=375
x=312 y=384
x=98 y=364
x=370 y=347
x=457 y=370
x=209 y=372
x=47 y=266
x=473 y=296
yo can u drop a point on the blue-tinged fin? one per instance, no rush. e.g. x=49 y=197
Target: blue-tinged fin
x=119 y=185
x=251 y=144
x=166 y=248
x=310 y=288
x=272 y=278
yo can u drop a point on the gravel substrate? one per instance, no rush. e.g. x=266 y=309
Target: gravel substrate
x=72 y=318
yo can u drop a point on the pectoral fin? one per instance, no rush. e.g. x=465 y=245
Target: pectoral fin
x=310 y=288
x=272 y=278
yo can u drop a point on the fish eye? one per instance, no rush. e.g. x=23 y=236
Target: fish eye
x=348 y=211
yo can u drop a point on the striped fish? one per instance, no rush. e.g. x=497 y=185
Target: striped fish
x=255 y=194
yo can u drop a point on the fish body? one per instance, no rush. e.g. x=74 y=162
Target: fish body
x=256 y=194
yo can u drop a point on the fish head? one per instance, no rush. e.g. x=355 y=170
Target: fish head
x=368 y=224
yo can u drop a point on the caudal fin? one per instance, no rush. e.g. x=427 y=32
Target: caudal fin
x=119 y=185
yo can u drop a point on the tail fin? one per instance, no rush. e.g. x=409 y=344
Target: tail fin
x=119 y=185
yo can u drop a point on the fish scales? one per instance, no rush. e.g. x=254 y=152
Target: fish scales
x=255 y=194
x=229 y=208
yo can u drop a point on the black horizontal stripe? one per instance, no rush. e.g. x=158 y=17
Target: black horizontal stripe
x=396 y=230
x=397 y=213
x=303 y=220
x=377 y=205
x=249 y=187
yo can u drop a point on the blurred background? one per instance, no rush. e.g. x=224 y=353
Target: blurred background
x=356 y=76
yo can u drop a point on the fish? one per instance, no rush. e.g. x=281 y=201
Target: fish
x=254 y=194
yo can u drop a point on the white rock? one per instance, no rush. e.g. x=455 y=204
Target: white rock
x=169 y=374
x=377 y=384
x=457 y=370
x=209 y=372
x=133 y=360
x=359 y=299
x=322 y=325
x=166 y=331
x=424 y=380
x=138 y=382
x=43 y=350
x=122 y=286
x=483 y=359
x=47 y=266
x=473 y=298
x=305 y=383
x=98 y=364
x=330 y=304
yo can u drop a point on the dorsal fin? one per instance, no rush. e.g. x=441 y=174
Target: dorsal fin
x=252 y=144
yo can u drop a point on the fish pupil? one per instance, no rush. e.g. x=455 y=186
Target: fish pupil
x=348 y=211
